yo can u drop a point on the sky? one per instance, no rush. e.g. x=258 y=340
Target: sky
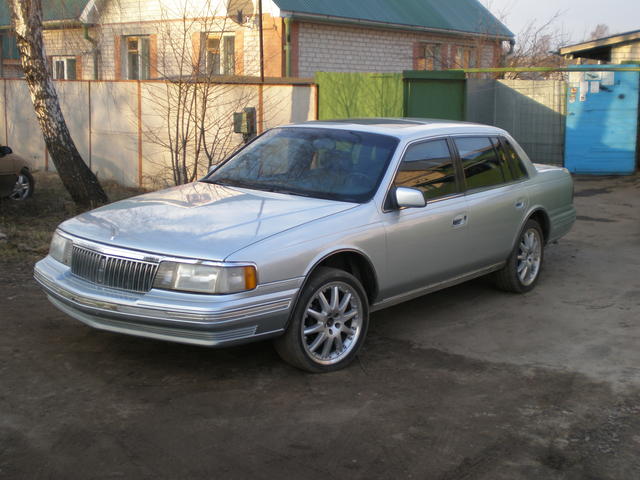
x=578 y=17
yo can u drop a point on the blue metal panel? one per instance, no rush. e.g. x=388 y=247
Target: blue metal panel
x=602 y=122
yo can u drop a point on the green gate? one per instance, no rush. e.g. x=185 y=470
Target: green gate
x=435 y=94
x=421 y=94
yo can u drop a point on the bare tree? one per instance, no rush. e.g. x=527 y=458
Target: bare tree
x=80 y=182
x=200 y=89
x=535 y=47
x=600 y=31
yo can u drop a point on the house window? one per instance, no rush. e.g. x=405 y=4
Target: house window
x=465 y=57
x=64 y=68
x=135 y=57
x=221 y=54
x=433 y=57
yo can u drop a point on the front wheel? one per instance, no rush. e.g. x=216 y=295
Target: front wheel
x=522 y=270
x=328 y=325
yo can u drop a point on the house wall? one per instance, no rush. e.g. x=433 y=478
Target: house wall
x=174 y=27
x=626 y=53
x=331 y=48
x=70 y=42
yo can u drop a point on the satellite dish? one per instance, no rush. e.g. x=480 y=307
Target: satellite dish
x=240 y=11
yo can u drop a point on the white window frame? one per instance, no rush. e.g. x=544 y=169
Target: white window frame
x=64 y=60
x=223 y=66
x=142 y=49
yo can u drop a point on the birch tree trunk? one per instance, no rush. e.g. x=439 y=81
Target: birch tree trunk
x=78 y=179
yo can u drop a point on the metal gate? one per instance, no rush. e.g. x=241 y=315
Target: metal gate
x=602 y=121
x=422 y=94
x=435 y=94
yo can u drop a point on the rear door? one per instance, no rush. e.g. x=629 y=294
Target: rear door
x=427 y=245
x=496 y=197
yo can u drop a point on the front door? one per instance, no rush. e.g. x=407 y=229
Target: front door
x=426 y=246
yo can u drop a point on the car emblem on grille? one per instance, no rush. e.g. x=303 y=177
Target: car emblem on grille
x=102 y=266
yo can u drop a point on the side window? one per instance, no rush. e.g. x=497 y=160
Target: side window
x=428 y=167
x=221 y=53
x=481 y=163
x=64 y=68
x=135 y=57
x=517 y=167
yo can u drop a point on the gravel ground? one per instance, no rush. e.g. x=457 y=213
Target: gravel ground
x=466 y=383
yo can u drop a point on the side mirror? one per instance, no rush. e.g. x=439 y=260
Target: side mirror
x=4 y=150
x=212 y=168
x=409 y=198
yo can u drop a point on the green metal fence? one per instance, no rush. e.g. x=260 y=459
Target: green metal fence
x=408 y=94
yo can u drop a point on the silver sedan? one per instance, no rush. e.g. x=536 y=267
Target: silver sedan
x=304 y=232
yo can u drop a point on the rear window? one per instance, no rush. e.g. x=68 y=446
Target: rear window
x=516 y=165
x=482 y=165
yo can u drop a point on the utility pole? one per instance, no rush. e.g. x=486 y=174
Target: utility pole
x=261 y=43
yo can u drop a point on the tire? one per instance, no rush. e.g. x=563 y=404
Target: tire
x=335 y=331
x=24 y=186
x=522 y=271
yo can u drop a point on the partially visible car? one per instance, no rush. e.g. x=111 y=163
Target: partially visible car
x=16 y=180
x=306 y=230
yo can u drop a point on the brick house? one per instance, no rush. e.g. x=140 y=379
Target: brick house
x=154 y=39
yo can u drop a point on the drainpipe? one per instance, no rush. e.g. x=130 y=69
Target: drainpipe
x=505 y=56
x=94 y=50
x=287 y=47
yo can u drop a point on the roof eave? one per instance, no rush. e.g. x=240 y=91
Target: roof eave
x=385 y=25
x=603 y=42
x=55 y=24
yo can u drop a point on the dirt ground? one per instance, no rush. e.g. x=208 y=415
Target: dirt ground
x=467 y=383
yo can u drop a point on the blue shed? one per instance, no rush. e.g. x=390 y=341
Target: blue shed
x=602 y=121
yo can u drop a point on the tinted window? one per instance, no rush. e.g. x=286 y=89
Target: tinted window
x=515 y=163
x=429 y=168
x=481 y=164
x=324 y=163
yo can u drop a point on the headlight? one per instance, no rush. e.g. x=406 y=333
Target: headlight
x=61 y=249
x=200 y=278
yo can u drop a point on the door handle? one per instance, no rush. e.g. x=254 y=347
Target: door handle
x=460 y=220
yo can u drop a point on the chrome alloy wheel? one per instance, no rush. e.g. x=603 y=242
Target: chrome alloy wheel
x=332 y=323
x=529 y=256
x=22 y=188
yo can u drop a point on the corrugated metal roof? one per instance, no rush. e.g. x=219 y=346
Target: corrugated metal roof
x=51 y=10
x=468 y=16
x=610 y=41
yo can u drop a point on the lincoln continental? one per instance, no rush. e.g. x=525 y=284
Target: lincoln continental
x=303 y=233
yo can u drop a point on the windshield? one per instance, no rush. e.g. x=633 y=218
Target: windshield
x=316 y=162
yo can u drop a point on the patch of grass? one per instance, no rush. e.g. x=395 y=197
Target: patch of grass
x=29 y=224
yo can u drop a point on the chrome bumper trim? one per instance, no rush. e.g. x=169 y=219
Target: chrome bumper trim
x=180 y=335
x=151 y=313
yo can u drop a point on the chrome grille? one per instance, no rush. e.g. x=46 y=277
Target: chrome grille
x=114 y=272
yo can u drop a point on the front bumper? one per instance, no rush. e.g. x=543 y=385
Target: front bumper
x=207 y=320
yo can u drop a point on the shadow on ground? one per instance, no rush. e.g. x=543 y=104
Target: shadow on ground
x=467 y=383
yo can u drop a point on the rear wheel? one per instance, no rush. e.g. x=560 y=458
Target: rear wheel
x=522 y=270
x=23 y=188
x=329 y=323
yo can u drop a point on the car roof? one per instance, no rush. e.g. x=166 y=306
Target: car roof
x=405 y=128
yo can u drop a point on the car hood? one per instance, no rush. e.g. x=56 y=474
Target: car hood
x=198 y=220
